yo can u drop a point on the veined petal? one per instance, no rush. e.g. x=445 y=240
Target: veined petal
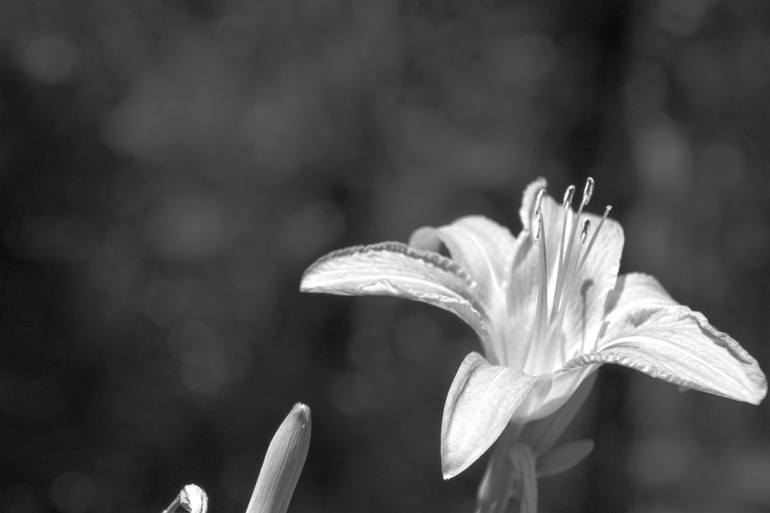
x=650 y=332
x=633 y=291
x=480 y=403
x=586 y=287
x=395 y=269
x=481 y=246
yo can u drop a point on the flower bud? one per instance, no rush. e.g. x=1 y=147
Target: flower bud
x=283 y=463
x=191 y=499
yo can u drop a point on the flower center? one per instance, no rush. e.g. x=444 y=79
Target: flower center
x=559 y=275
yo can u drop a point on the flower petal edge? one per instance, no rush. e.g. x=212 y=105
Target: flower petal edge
x=395 y=269
x=479 y=405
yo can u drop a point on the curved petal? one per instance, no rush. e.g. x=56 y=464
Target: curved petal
x=646 y=330
x=632 y=291
x=527 y=209
x=551 y=392
x=480 y=403
x=481 y=246
x=395 y=269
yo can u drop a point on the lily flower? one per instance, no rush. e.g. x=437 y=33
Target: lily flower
x=549 y=308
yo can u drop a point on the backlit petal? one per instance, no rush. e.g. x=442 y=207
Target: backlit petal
x=564 y=457
x=551 y=392
x=649 y=332
x=480 y=403
x=481 y=247
x=395 y=269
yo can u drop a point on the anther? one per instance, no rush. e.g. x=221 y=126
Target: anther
x=584 y=230
x=539 y=213
x=568 y=195
x=588 y=191
x=539 y=200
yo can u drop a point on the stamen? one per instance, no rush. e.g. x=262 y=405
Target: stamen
x=539 y=213
x=541 y=317
x=584 y=230
x=565 y=243
x=588 y=191
x=568 y=195
x=583 y=259
x=607 y=211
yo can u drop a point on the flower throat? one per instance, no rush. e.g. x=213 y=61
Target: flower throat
x=566 y=268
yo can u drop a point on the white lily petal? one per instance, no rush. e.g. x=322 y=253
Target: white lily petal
x=481 y=246
x=480 y=403
x=527 y=209
x=543 y=434
x=395 y=269
x=564 y=457
x=633 y=290
x=650 y=332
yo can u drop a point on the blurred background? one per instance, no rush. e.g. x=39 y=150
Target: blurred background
x=169 y=169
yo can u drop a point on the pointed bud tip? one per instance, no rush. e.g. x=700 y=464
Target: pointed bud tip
x=301 y=412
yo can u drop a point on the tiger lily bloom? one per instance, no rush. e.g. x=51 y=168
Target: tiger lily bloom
x=549 y=308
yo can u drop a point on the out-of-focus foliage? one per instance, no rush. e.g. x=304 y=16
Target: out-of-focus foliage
x=168 y=169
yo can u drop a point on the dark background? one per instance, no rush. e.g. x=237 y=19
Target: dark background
x=168 y=169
